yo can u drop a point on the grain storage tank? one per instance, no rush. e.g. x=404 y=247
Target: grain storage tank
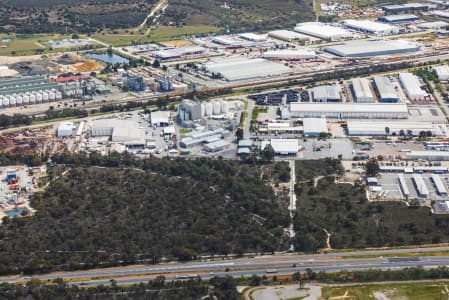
x=224 y=107
x=44 y=96
x=32 y=98
x=209 y=109
x=38 y=96
x=5 y=101
x=58 y=95
x=203 y=109
x=12 y=100
x=19 y=100
x=51 y=96
x=38 y=99
x=25 y=99
x=1 y=101
x=217 y=107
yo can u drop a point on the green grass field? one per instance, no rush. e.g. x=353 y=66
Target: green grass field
x=160 y=34
x=21 y=45
x=401 y=291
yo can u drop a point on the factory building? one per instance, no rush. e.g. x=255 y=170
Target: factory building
x=439 y=185
x=253 y=37
x=217 y=146
x=290 y=54
x=28 y=91
x=246 y=69
x=289 y=36
x=178 y=53
x=386 y=91
x=315 y=126
x=349 y=110
x=282 y=146
x=395 y=19
x=428 y=155
x=65 y=129
x=363 y=128
x=371 y=27
x=405 y=8
x=370 y=48
x=281 y=128
x=323 y=31
x=442 y=72
x=135 y=84
x=199 y=137
x=326 y=93
x=362 y=90
x=432 y=25
x=412 y=87
x=441 y=14
x=403 y=185
x=189 y=110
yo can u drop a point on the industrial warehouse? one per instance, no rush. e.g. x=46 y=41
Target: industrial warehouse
x=372 y=48
x=349 y=110
x=323 y=31
x=371 y=27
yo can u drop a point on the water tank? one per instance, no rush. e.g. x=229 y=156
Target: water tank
x=217 y=107
x=44 y=96
x=12 y=100
x=19 y=100
x=209 y=109
x=38 y=96
x=32 y=99
x=25 y=99
x=203 y=109
x=224 y=107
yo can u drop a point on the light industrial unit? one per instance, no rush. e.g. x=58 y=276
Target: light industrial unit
x=326 y=93
x=283 y=146
x=404 y=18
x=182 y=52
x=323 y=31
x=442 y=72
x=65 y=129
x=385 y=89
x=412 y=87
x=315 y=126
x=362 y=90
x=428 y=155
x=432 y=25
x=349 y=110
x=288 y=36
x=372 y=48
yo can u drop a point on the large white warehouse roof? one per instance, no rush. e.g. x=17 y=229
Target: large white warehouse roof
x=372 y=48
x=442 y=72
x=323 y=31
x=385 y=88
x=178 y=52
x=253 y=37
x=282 y=146
x=244 y=69
x=360 y=128
x=432 y=25
x=371 y=26
x=362 y=90
x=287 y=35
x=290 y=54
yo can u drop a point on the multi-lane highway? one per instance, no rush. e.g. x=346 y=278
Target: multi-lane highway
x=259 y=265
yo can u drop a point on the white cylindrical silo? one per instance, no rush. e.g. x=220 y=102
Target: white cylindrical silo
x=51 y=96
x=58 y=95
x=25 y=99
x=5 y=101
x=12 y=100
x=44 y=96
x=19 y=100
x=32 y=99
x=217 y=107
x=209 y=109
x=38 y=96
x=224 y=107
x=203 y=109
x=1 y=101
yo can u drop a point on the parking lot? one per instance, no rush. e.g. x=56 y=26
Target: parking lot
x=316 y=149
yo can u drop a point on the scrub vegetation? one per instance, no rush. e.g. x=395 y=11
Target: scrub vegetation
x=117 y=210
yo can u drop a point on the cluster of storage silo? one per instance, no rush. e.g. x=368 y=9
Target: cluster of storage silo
x=30 y=98
x=213 y=108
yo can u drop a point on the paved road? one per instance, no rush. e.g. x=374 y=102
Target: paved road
x=281 y=264
x=247 y=124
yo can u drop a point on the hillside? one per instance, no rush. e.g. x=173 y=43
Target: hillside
x=178 y=209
